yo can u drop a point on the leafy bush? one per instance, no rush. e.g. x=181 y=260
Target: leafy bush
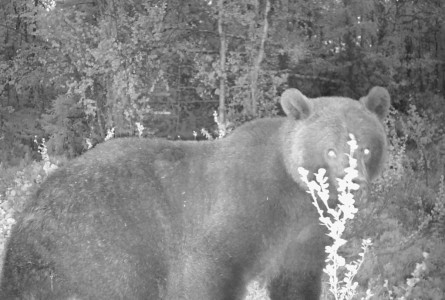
x=17 y=184
x=405 y=215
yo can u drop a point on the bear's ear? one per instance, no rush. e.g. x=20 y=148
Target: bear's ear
x=377 y=101
x=295 y=104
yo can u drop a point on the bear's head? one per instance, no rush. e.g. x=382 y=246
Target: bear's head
x=317 y=130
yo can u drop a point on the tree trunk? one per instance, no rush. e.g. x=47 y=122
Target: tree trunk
x=222 y=57
x=256 y=68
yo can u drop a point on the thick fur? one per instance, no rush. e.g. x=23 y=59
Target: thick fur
x=152 y=219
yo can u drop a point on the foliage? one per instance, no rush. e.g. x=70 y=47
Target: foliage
x=404 y=219
x=16 y=187
x=221 y=131
x=334 y=219
x=81 y=68
x=107 y=64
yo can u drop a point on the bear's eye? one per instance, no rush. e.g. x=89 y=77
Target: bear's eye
x=331 y=153
x=366 y=151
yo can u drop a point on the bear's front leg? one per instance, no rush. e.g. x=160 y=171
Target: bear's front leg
x=297 y=285
x=299 y=277
x=206 y=277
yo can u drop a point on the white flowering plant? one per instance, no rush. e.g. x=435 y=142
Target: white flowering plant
x=335 y=221
x=110 y=134
x=48 y=166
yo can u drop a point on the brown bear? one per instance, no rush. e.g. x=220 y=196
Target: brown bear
x=155 y=219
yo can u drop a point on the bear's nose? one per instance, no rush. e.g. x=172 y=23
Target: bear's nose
x=362 y=193
x=360 y=180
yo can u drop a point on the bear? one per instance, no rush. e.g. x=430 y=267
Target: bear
x=138 y=218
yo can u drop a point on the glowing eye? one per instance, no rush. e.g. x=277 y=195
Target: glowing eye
x=366 y=151
x=331 y=153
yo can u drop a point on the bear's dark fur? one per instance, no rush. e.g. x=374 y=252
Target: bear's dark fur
x=154 y=219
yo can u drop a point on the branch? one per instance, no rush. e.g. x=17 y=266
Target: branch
x=214 y=33
x=311 y=77
x=13 y=29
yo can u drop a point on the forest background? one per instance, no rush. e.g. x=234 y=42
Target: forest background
x=71 y=71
